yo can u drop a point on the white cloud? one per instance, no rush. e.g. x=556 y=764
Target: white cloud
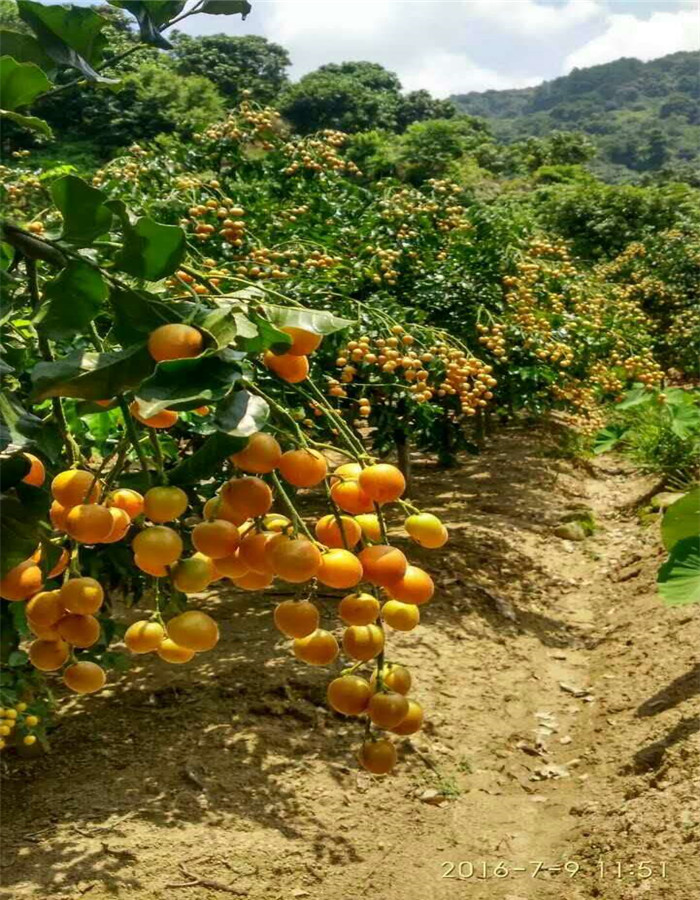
x=626 y=35
x=527 y=17
x=443 y=73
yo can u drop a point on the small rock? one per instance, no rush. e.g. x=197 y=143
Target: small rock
x=570 y=531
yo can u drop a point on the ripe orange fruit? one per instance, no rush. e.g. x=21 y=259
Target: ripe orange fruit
x=216 y=538
x=150 y=568
x=369 y=523
x=377 y=757
x=358 y=609
x=89 y=523
x=175 y=341
x=387 y=709
x=48 y=656
x=349 y=695
x=412 y=721
x=426 y=530
x=193 y=575
x=340 y=569
x=330 y=533
x=130 y=501
x=45 y=632
x=350 y=497
x=166 y=418
x=400 y=616
x=201 y=411
x=157 y=546
x=254 y=581
x=253 y=551
x=383 y=564
x=232 y=566
x=57 y=514
x=45 y=608
x=416 y=586
x=250 y=497
x=75 y=486
x=173 y=653
x=144 y=636
x=80 y=631
x=164 y=504
x=382 y=482
x=85 y=677
x=22 y=581
x=61 y=565
x=363 y=642
x=194 y=630
x=83 y=596
x=303 y=468
x=121 y=523
x=36 y=473
x=261 y=454
x=303 y=342
x=292 y=369
x=295 y=560
x=296 y=619
x=348 y=471
x=217 y=508
x=394 y=678
x=318 y=648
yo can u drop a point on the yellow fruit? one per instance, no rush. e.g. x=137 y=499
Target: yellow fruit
x=194 y=630
x=81 y=595
x=164 y=504
x=296 y=619
x=144 y=636
x=75 y=486
x=173 y=653
x=400 y=616
x=427 y=530
x=157 y=545
x=193 y=575
x=85 y=677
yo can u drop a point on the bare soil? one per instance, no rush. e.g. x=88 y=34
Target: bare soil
x=560 y=760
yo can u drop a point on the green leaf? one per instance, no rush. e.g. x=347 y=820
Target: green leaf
x=187 y=384
x=317 y=321
x=30 y=122
x=92 y=376
x=241 y=414
x=638 y=395
x=151 y=16
x=85 y=215
x=206 y=462
x=150 y=250
x=72 y=300
x=138 y=313
x=679 y=576
x=17 y=658
x=608 y=438
x=682 y=519
x=24 y=429
x=248 y=331
x=685 y=421
x=70 y=35
x=12 y=470
x=25 y=48
x=226 y=7
x=20 y=83
x=20 y=525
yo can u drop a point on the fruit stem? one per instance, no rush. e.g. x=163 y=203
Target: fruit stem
x=158 y=455
x=290 y=506
x=132 y=432
x=280 y=410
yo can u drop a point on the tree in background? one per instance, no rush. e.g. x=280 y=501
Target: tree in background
x=354 y=97
x=429 y=149
x=234 y=64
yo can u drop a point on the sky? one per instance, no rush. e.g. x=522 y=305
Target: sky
x=455 y=46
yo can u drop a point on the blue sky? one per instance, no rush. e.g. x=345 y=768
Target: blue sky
x=454 y=46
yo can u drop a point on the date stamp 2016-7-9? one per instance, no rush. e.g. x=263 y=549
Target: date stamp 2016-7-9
x=465 y=870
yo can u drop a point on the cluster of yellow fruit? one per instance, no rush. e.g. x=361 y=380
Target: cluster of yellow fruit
x=245 y=123
x=13 y=716
x=227 y=216
x=20 y=191
x=438 y=371
x=318 y=154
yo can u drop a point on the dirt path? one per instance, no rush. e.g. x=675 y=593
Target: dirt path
x=564 y=718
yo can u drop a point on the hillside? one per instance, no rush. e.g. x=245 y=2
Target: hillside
x=644 y=116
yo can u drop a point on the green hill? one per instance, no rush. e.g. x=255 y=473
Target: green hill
x=643 y=116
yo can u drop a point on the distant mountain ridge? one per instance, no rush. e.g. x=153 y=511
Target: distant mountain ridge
x=644 y=116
